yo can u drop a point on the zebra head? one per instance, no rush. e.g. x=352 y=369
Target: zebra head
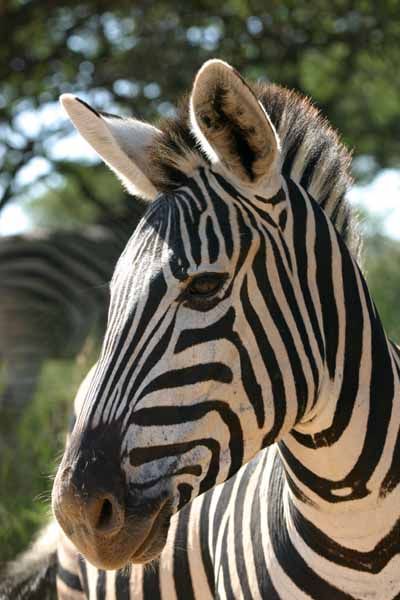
x=214 y=347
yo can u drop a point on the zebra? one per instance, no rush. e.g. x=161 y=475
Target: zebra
x=239 y=436
x=53 y=294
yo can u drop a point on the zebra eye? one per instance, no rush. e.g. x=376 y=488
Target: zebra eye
x=204 y=286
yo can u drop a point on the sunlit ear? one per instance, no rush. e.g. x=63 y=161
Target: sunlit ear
x=231 y=125
x=123 y=144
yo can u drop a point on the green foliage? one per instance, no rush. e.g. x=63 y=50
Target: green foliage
x=87 y=194
x=138 y=57
x=29 y=449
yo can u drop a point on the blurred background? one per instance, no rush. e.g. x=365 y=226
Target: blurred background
x=137 y=58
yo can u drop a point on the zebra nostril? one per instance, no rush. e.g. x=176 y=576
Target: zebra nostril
x=106 y=515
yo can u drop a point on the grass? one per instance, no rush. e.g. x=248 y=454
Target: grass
x=29 y=457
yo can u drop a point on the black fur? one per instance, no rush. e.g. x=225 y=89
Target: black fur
x=88 y=106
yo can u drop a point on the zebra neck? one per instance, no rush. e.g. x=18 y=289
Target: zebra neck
x=342 y=449
x=357 y=552
x=342 y=466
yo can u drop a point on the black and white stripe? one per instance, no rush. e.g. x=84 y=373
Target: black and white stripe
x=266 y=411
x=54 y=293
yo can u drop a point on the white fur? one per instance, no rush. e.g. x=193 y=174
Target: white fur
x=121 y=143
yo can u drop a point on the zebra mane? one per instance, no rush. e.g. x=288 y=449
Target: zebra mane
x=312 y=154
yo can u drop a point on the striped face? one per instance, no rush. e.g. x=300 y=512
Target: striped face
x=201 y=363
x=194 y=365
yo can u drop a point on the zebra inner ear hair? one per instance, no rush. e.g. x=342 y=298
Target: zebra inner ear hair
x=236 y=137
x=231 y=124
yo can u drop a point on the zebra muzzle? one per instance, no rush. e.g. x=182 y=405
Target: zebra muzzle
x=108 y=524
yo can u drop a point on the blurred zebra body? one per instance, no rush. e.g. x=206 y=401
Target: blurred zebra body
x=54 y=293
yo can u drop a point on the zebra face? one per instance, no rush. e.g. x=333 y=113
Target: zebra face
x=190 y=363
x=194 y=377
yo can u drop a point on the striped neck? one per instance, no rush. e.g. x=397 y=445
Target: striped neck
x=342 y=460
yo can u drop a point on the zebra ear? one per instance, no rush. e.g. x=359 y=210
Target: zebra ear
x=121 y=143
x=232 y=126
